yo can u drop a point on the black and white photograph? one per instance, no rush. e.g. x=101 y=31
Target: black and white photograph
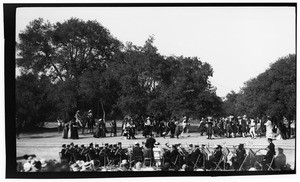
x=126 y=90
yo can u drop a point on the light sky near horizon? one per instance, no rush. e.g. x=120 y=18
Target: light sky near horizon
x=238 y=42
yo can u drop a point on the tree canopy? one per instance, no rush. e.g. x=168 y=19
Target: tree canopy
x=87 y=68
x=272 y=93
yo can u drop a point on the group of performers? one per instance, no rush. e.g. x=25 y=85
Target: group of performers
x=70 y=129
x=152 y=153
x=222 y=127
x=236 y=127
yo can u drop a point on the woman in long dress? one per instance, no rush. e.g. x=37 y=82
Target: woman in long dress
x=269 y=127
x=65 y=130
x=177 y=129
x=98 y=129
x=74 y=130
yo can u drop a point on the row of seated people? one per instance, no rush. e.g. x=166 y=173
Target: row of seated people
x=176 y=155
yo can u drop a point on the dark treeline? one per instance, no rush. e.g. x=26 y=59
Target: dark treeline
x=79 y=65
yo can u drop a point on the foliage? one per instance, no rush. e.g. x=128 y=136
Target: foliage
x=272 y=93
x=87 y=68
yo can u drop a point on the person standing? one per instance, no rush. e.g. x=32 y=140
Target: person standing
x=209 y=128
x=269 y=128
x=74 y=130
x=252 y=129
x=202 y=126
x=59 y=125
x=185 y=125
x=97 y=133
x=244 y=126
x=113 y=130
x=91 y=122
x=65 y=130
x=177 y=129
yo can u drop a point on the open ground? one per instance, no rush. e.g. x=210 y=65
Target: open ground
x=47 y=144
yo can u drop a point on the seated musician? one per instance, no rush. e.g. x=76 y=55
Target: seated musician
x=190 y=154
x=96 y=152
x=65 y=153
x=174 y=155
x=115 y=154
x=122 y=151
x=197 y=156
x=216 y=157
x=239 y=157
x=83 y=153
x=137 y=153
x=268 y=158
x=90 y=152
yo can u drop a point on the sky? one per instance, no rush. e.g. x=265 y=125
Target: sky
x=238 y=42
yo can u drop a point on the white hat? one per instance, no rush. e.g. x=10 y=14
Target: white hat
x=124 y=161
x=43 y=162
x=27 y=167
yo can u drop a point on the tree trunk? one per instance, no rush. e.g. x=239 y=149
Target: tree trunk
x=103 y=110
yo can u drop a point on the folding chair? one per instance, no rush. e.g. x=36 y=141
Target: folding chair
x=222 y=159
x=270 y=164
x=197 y=161
x=242 y=164
x=176 y=160
x=148 y=156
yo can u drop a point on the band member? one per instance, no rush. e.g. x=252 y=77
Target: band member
x=239 y=156
x=137 y=153
x=216 y=157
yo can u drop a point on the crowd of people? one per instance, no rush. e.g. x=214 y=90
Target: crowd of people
x=240 y=126
x=153 y=156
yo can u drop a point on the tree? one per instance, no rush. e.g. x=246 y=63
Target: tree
x=64 y=52
x=34 y=104
x=272 y=93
